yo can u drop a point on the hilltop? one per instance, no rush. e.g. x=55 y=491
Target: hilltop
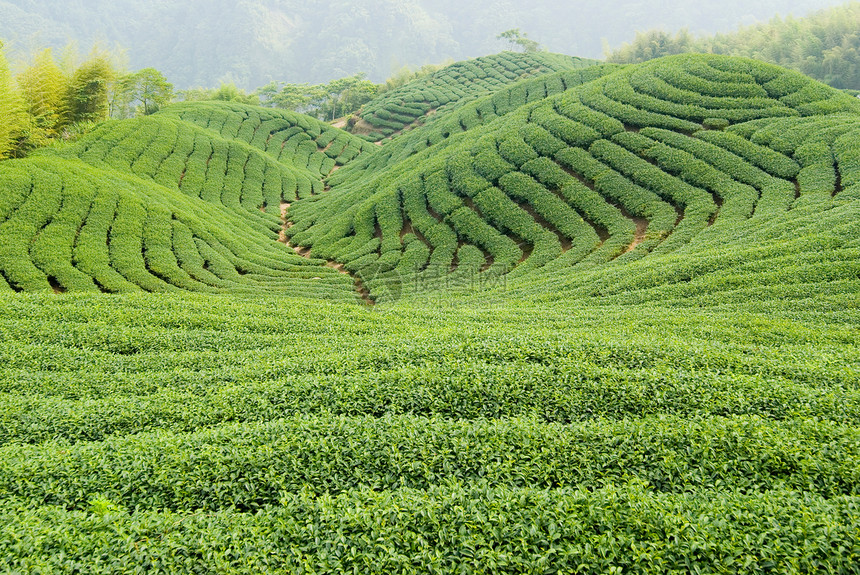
x=410 y=105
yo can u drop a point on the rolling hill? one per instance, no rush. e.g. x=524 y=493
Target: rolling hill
x=600 y=319
x=190 y=199
x=572 y=187
x=455 y=85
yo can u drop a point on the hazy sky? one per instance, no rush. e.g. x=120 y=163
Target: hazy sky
x=252 y=42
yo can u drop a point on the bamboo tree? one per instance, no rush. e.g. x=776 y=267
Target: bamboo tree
x=89 y=89
x=45 y=87
x=14 y=120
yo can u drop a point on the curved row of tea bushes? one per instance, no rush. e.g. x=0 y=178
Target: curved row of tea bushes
x=130 y=244
x=293 y=139
x=503 y=530
x=332 y=454
x=447 y=123
x=201 y=164
x=70 y=227
x=456 y=84
x=198 y=431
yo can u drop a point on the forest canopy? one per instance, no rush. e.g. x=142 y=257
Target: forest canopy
x=824 y=45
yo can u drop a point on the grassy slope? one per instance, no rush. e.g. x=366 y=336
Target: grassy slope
x=680 y=406
x=445 y=90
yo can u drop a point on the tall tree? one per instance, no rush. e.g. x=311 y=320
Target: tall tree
x=148 y=88
x=14 y=120
x=346 y=95
x=89 y=88
x=325 y=101
x=45 y=87
x=520 y=40
x=296 y=97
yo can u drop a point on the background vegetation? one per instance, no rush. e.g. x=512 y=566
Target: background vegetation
x=253 y=42
x=824 y=45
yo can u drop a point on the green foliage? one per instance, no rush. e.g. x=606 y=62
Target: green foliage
x=294 y=139
x=66 y=101
x=15 y=120
x=824 y=45
x=604 y=338
x=454 y=85
x=406 y=75
x=593 y=425
x=160 y=204
x=632 y=531
x=226 y=92
x=148 y=88
x=325 y=101
x=614 y=168
x=520 y=40
x=45 y=88
x=88 y=89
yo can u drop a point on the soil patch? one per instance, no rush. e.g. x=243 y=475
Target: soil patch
x=305 y=252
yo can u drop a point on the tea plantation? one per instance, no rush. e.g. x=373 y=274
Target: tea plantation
x=602 y=319
x=410 y=105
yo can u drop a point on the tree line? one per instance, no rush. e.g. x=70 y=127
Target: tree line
x=824 y=45
x=51 y=99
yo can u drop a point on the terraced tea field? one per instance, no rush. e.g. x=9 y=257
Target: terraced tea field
x=673 y=156
x=597 y=320
x=457 y=84
x=182 y=200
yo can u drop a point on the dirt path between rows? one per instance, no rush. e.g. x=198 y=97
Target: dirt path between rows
x=360 y=289
x=639 y=235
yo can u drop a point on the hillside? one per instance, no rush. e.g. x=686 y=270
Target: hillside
x=634 y=165
x=600 y=319
x=454 y=85
x=572 y=174
x=189 y=199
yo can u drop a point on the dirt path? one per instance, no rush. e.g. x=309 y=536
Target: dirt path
x=282 y=236
x=363 y=127
x=639 y=235
x=360 y=289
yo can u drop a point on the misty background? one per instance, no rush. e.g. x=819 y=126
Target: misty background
x=253 y=42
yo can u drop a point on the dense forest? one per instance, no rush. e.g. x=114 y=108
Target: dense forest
x=254 y=42
x=824 y=45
